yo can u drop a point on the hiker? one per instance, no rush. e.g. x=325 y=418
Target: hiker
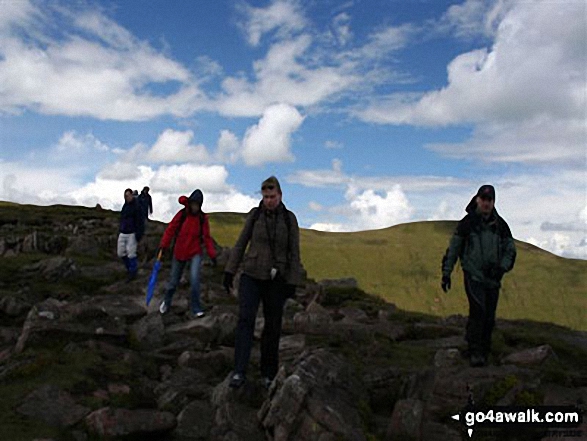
x=130 y=233
x=189 y=228
x=146 y=202
x=483 y=242
x=270 y=274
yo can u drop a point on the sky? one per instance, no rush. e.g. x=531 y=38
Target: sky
x=371 y=113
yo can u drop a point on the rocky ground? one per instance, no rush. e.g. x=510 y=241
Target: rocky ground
x=82 y=357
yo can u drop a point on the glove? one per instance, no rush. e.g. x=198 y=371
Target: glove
x=228 y=281
x=214 y=262
x=445 y=283
x=497 y=273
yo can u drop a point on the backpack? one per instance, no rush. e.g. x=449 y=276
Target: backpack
x=184 y=215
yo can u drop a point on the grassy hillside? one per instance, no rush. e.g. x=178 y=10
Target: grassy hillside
x=402 y=265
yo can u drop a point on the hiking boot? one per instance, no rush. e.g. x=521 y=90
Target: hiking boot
x=477 y=360
x=163 y=308
x=237 y=380
x=130 y=277
x=266 y=382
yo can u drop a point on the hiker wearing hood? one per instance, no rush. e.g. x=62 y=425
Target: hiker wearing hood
x=270 y=274
x=484 y=244
x=190 y=228
x=131 y=230
x=146 y=202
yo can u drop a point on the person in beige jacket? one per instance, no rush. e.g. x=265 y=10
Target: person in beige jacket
x=271 y=271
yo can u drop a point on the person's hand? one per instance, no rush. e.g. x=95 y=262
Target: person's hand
x=497 y=273
x=228 y=281
x=445 y=283
x=214 y=262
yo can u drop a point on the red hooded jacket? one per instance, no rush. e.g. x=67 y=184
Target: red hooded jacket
x=187 y=244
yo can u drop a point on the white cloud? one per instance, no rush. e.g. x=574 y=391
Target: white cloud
x=73 y=143
x=228 y=147
x=284 y=16
x=175 y=146
x=527 y=82
x=84 y=64
x=332 y=228
x=341 y=28
x=372 y=210
x=175 y=178
x=315 y=206
x=333 y=145
x=120 y=171
x=270 y=139
x=474 y=17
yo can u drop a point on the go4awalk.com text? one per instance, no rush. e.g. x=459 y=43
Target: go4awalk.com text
x=552 y=419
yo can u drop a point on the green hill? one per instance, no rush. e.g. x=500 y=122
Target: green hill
x=402 y=265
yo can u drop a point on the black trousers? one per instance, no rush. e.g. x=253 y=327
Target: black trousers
x=482 y=306
x=251 y=293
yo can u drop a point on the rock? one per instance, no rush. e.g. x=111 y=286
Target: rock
x=110 y=423
x=314 y=320
x=213 y=364
x=29 y=243
x=236 y=410
x=532 y=356
x=53 y=269
x=353 y=315
x=183 y=385
x=118 y=389
x=52 y=319
x=148 y=332
x=349 y=282
x=195 y=421
x=213 y=328
x=317 y=397
x=53 y=406
x=447 y=357
x=406 y=420
x=12 y=306
x=84 y=245
x=291 y=346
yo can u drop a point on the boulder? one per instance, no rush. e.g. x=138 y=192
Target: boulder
x=110 y=423
x=531 y=356
x=195 y=421
x=52 y=406
x=148 y=332
x=406 y=420
x=447 y=357
x=13 y=306
x=54 y=268
x=236 y=411
x=316 y=397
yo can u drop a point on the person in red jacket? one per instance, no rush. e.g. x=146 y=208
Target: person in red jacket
x=189 y=227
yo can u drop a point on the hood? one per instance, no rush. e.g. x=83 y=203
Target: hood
x=472 y=208
x=183 y=200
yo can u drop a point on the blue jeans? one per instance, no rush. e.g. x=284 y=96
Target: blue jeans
x=177 y=267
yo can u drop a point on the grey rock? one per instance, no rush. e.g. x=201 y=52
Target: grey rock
x=53 y=406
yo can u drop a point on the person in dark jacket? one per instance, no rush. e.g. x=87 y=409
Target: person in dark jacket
x=484 y=244
x=189 y=227
x=130 y=233
x=146 y=202
x=270 y=273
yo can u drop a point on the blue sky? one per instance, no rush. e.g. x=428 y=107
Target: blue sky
x=371 y=113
